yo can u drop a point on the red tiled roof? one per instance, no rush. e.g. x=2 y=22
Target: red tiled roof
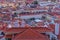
x=58 y=37
x=29 y=34
x=14 y=30
x=43 y=29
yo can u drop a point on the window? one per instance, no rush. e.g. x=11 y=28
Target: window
x=2 y=33
x=53 y=0
x=53 y=38
x=8 y=39
x=9 y=0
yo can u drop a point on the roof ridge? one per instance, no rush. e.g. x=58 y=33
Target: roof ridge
x=32 y=31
